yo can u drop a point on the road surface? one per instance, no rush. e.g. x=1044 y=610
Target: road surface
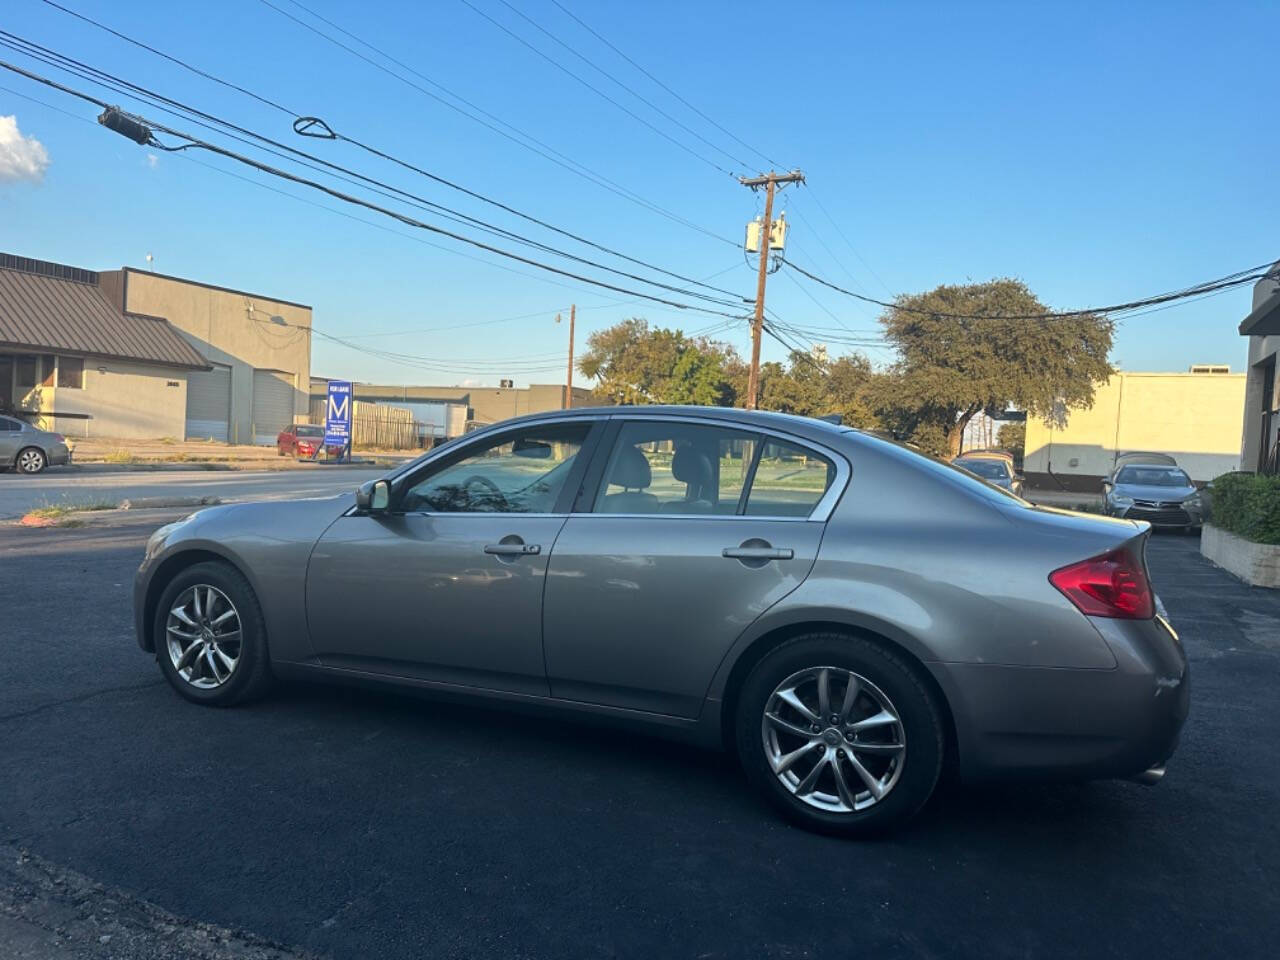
x=19 y=494
x=354 y=824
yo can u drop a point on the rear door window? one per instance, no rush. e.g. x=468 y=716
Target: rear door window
x=666 y=467
x=789 y=481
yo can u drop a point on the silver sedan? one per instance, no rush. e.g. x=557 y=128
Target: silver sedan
x=29 y=449
x=845 y=615
x=1162 y=495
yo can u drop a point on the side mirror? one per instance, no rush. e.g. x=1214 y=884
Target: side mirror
x=373 y=496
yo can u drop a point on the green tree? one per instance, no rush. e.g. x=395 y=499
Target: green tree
x=812 y=386
x=634 y=363
x=1012 y=437
x=953 y=362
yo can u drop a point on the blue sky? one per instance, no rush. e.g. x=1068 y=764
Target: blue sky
x=1101 y=152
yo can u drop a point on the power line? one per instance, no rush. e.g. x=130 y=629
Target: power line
x=170 y=58
x=112 y=115
x=603 y=72
x=847 y=242
x=538 y=147
x=377 y=152
x=96 y=75
x=596 y=90
x=1240 y=278
x=738 y=140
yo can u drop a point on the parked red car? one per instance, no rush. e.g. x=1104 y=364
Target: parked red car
x=302 y=440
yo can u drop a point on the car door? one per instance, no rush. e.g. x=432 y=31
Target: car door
x=10 y=438
x=694 y=530
x=447 y=585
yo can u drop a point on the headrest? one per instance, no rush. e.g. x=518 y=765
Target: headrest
x=631 y=470
x=691 y=467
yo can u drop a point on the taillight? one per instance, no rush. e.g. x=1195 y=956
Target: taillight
x=1112 y=585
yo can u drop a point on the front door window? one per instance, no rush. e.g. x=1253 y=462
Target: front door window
x=525 y=472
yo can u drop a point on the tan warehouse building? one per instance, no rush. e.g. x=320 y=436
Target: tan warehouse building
x=1194 y=417
x=132 y=354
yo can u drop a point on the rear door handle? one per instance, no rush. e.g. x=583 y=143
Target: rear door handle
x=513 y=549
x=758 y=553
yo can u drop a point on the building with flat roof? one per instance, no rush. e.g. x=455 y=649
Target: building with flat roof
x=484 y=405
x=132 y=354
x=1191 y=416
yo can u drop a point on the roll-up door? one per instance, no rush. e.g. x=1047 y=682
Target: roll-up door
x=272 y=404
x=209 y=404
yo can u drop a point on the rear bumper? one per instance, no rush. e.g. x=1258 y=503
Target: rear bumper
x=58 y=455
x=1069 y=723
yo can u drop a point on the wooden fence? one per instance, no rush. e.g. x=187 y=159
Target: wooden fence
x=375 y=425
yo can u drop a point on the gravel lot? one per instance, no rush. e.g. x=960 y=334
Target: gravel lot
x=352 y=824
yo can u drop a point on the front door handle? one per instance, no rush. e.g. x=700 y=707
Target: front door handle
x=513 y=549
x=758 y=553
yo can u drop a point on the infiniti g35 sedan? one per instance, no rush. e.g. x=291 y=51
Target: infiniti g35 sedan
x=846 y=615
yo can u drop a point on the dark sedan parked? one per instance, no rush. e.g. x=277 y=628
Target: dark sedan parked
x=845 y=614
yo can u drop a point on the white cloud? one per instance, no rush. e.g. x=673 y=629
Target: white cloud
x=21 y=157
x=152 y=160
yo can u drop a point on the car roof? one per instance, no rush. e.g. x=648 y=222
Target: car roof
x=1129 y=458
x=786 y=422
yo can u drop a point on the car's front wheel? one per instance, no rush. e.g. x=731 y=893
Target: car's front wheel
x=210 y=636
x=840 y=734
x=32 y=460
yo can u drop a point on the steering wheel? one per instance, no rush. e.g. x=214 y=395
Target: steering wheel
x=491 y=488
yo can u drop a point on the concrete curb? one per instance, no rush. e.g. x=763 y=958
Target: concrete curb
x=154 y=503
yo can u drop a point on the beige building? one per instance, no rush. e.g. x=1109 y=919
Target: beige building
x=132 y=354
x=1193 y=417
x=483 y=405
x=1260 y=451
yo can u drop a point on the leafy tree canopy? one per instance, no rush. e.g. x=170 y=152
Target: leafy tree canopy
x=951 y=367
x=633 y=363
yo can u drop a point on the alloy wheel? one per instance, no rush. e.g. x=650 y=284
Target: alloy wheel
x=31 y=461
x=833 y=739
x=203 y=636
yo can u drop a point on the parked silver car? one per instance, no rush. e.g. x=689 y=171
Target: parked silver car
x=29 y=449
x=1162 y=495
x=845 y=614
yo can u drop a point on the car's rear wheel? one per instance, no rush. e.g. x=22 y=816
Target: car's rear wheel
x=211 y=640
x=840 y=734
x=32 y=460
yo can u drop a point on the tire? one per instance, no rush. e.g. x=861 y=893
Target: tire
x=217 y=586
x=908 y=754
x=31 y=460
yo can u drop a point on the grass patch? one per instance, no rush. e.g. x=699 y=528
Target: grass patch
x=119 y=455
x=59 y=511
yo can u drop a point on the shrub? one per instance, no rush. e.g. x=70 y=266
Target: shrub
x=1247 y=505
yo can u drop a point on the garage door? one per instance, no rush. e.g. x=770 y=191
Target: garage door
x=208 y=404
x=272 y=404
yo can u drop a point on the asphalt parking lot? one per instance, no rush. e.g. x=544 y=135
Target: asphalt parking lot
x=351 y=824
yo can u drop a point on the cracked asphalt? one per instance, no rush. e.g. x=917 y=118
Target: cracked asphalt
x=352 y=824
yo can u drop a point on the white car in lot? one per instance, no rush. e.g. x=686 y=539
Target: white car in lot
x=29 y=449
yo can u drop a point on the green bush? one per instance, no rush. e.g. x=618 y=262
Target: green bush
x=1248 y=505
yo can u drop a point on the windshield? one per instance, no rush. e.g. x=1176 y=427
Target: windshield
x=1153 y=477
x=305 y=431
x=987 y=469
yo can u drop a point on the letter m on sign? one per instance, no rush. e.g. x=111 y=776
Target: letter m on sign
x=337 y=413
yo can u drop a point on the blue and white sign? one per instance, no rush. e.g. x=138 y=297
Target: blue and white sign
x=337 y=414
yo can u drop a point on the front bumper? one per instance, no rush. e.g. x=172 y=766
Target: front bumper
x=1070 y=723
x=1164 y=515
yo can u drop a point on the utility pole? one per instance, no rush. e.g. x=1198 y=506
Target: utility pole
x=568 y=387
x=768 y=181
